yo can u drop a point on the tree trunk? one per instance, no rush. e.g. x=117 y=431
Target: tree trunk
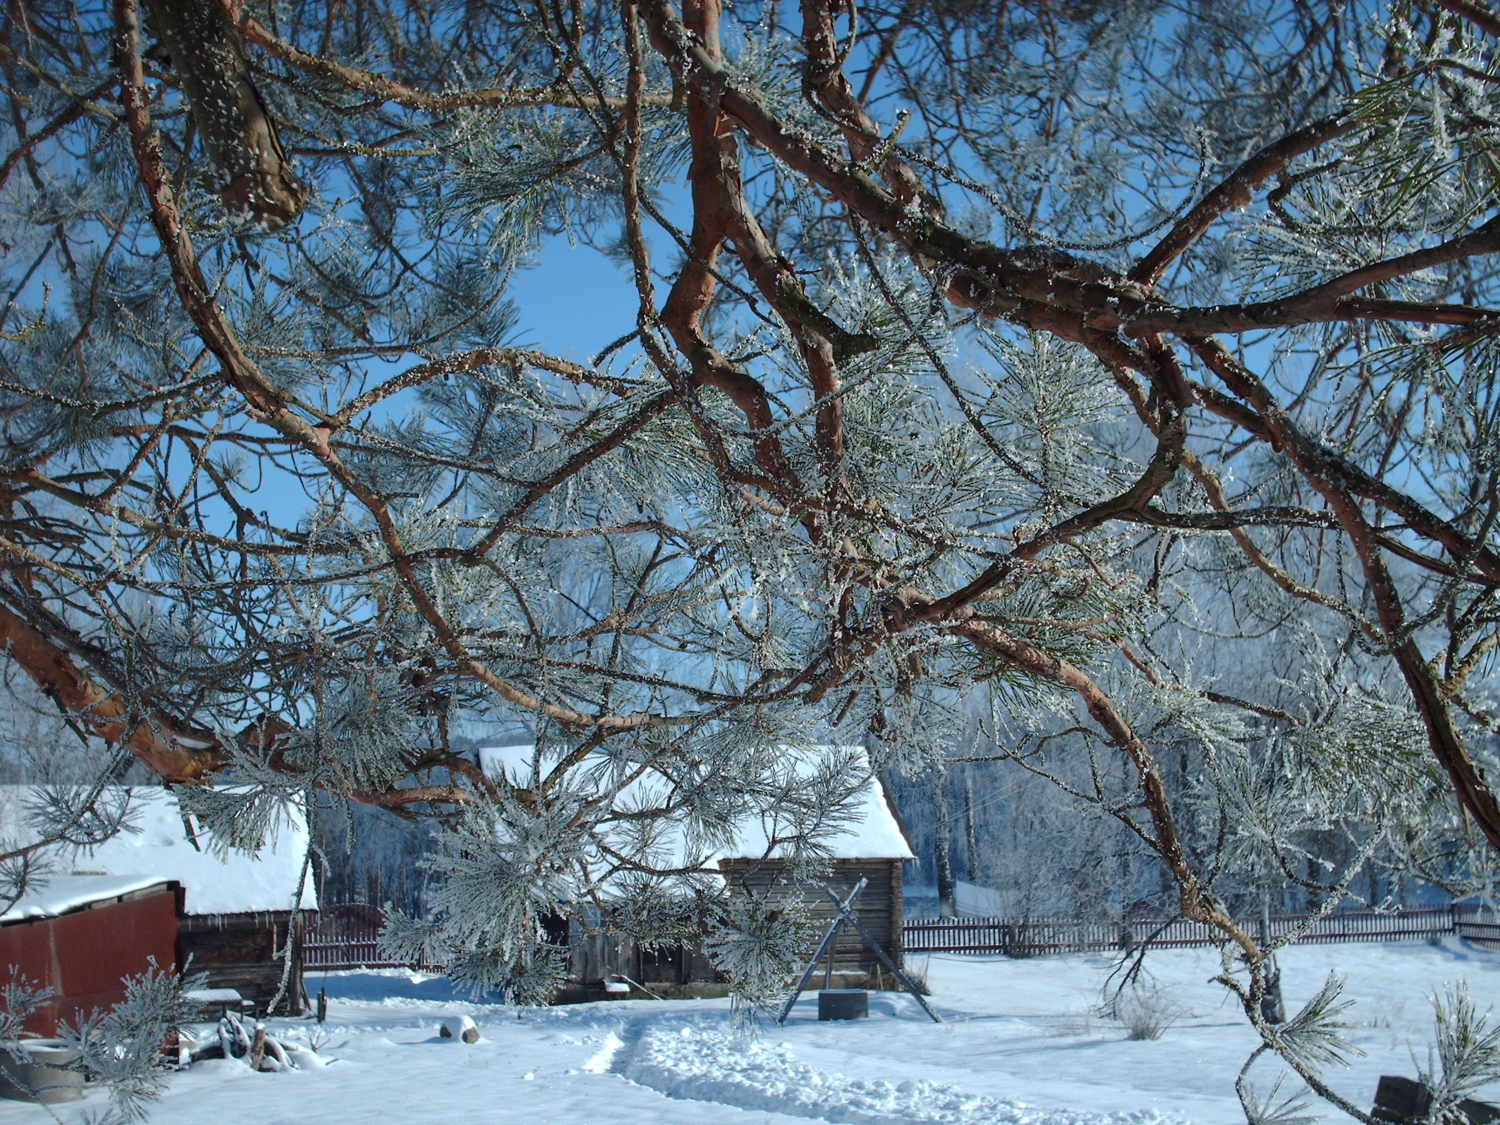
x=1272 y=1010
x=227 y=110
x=971 y=838
x=941 y=856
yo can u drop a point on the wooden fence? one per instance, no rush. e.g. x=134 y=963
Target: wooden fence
x=349 y=937
x=1035 y=937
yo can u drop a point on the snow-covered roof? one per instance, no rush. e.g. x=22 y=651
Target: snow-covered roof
x=61 y=893
x=872 y=832
x=156 y=844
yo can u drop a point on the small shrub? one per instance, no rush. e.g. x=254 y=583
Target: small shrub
x=1146 y=1010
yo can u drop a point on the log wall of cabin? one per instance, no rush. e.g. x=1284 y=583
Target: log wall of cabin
x=878 y=907
x=243 y=952
x=595 y=957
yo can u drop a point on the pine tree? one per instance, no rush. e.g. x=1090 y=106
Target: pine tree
x=1121 y=373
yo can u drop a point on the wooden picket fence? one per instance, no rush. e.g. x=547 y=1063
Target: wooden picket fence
x=1036 y=937
x=348 y=937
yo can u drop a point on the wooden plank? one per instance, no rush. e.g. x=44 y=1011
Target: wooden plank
x=897 y=937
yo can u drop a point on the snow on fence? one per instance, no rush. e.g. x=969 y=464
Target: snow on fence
x=1035 y=937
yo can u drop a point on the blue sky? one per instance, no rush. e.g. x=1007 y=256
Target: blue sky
x=573 y=302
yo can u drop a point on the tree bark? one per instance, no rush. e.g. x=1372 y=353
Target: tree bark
x=942 y=856
x=170 y=750
x=971 y=837
x=256 y=178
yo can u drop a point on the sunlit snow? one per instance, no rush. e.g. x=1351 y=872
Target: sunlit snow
x=1020 y=1043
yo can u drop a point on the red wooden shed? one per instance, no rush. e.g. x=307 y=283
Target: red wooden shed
x=81 y=935
x=236 y=910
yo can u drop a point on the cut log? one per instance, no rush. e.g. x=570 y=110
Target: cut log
x=232 y=1038
x=276 y=1057
x=460 y=1029
x=258 y=1047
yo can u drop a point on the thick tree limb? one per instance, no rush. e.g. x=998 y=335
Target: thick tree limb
x=826 y=80
x=1289 y=312
x=386 y=89
x=1444 y=739
x=232 y=119
x=1193 y=899
x=1029 y=288
x=1480 y=15
x=1313 y=457
x=1261 y=561
x=1235 y=192
x=170 y=749
x=1485 y=240
x=241 y=373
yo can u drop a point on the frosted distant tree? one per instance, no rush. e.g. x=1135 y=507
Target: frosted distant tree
x=1063 y=354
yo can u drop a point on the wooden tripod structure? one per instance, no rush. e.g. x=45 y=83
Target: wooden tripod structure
x=845 y=913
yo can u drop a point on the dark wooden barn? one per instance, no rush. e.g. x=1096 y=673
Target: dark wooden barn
x=235 y=911
x=599 y=959
x=245 y=952
x=879 y=908
x=82 y=935
x=873 y=846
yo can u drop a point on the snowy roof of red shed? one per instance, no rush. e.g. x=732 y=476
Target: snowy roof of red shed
x=61 y=894
x=156 y=846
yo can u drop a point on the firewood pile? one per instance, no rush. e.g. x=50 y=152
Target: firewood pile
x=259 y=1050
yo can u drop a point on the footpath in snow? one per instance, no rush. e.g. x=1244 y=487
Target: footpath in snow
x=1019 y=1045
x=715 y=1066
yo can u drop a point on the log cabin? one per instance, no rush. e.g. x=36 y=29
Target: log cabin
x=235 y=912
x=872 y=844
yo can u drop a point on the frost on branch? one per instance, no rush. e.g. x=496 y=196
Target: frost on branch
x=759 y=941
x=18 y=1000
x=243 y=817
x=123 y=1048
x=1465 y=1054
x=503 y=870
x=256 y=177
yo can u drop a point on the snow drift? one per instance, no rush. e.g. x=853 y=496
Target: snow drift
x=712 y=1066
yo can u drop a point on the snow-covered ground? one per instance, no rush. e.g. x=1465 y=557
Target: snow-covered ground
x=1018 y=1045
